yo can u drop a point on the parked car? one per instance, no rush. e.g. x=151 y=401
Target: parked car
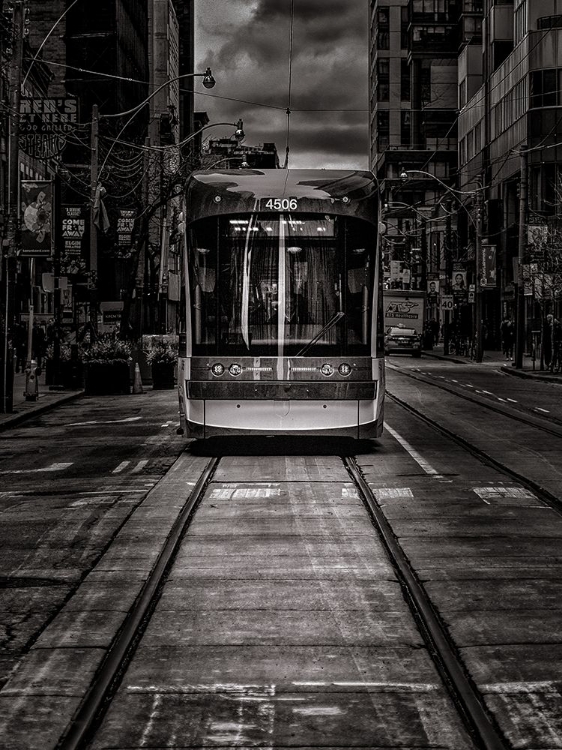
x=402 y=340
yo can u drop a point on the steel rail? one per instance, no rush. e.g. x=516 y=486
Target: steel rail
x=506 y=411
x=552 y=501
x=120 y=652
x=465 y=694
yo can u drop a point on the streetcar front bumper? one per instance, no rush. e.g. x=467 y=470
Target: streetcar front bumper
x=352 y=410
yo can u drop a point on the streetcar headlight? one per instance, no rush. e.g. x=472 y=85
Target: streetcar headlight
x=235 y=370
x=344 y=369
x=217 y=369
x=327 y=370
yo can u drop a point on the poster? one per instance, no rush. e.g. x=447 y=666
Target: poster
x=458 y=282
x=36 y=210
x=73 y=230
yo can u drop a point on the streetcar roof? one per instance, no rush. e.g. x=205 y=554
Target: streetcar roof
x=335 y=191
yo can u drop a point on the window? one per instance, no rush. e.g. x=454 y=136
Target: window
x=545 y=88
x=383 y=79
x=383 y=129
x=405 y=91
x=520 y=28
x=404 y=23
x=405 y=128
x=383 y=28
x=549 y=22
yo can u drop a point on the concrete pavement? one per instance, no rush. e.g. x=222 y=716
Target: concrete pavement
x=23 y=409
x=495 y=358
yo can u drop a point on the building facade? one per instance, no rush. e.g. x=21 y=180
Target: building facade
x=413 y=119
x=510 y=139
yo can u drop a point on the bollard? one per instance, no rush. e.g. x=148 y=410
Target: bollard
x=137 y=382
x=32 y=373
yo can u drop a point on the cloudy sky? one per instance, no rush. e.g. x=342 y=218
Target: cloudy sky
x=247 y=42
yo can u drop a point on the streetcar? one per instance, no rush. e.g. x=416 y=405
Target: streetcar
x=281 y=329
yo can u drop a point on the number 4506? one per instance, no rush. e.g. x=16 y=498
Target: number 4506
x=282 y=204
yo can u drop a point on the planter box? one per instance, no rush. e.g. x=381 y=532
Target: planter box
x=107 y=378
x=163 y=377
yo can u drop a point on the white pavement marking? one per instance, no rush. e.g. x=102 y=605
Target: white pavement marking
x=454 y=381
x=122 y=466
x=52 y=467
x=488 y=392
x=385 y=493
x=468 y=385
x=538 y=408
x=513 y=401
x=501 y=399
x=140 y=466
x=489 y=494
x=418 y=458
x=104 y=421
x=349 y=492
x=423 y=687
x=522 y=687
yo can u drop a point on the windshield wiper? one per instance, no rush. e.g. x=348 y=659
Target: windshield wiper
x=330 y=324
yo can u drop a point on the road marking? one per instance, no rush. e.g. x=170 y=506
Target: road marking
x=122 y=466
x=501 y=399
x=538 y=408
x=488 y=392
x=491 y=494
x=385 y=493
x=513 y=401
x=419 y=459
x=103 y=421
x=140 y=466
x=111 y=492
x=468 y=385
x=52 y=467
x=454 y=381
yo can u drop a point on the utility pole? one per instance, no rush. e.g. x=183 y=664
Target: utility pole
x=9 y=244
x=520 y=308
x=94 y=169
x=478 y=328
x=448 y=275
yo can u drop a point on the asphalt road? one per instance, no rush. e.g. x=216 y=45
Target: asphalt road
x=69 y=480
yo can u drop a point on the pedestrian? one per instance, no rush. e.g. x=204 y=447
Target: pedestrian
x=19 y=339
x=507 y=331
x=547 y=340
x=435 y=331
x=555 y=362
x=38 y=343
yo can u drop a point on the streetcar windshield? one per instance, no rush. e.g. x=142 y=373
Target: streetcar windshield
x=281 y=285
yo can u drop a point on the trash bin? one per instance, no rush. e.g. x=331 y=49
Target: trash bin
x=32 y=373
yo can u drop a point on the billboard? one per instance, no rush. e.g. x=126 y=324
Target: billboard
x=36 y=211
x=73 y=230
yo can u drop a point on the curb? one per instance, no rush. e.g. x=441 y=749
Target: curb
x=531 y=375
x=11 y=420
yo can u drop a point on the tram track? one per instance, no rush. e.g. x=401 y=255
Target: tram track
x=105 y=683
x=441 y=648
x=538 y=421
x=466 y=698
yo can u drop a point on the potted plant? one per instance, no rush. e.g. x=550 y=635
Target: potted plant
x=107 y=366
x=162 y=359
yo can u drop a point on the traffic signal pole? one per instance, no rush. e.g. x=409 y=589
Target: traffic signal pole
x=9 y=248
x=520 y=307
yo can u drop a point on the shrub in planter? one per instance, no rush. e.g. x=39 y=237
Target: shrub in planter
x=163 y=359
x=107 y=367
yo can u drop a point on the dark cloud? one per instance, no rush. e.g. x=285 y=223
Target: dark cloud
x=246 y=42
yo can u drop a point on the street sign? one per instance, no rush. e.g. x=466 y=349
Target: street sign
x=471 y=296
x=447 y=303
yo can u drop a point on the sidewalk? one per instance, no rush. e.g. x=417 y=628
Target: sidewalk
x=23 y=409
x=497 y=359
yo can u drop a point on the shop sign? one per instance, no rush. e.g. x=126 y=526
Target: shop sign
x=489 y=269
